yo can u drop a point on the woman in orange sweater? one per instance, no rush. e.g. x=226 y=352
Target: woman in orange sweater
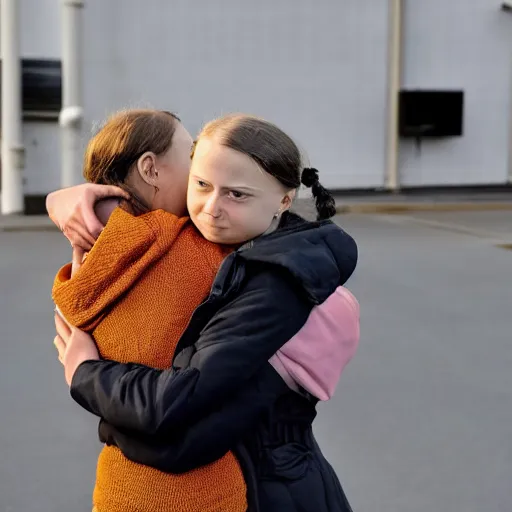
x=134 y=276
x=90 y=302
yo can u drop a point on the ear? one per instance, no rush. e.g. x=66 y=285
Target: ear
x=146 y=167
x=287 y=200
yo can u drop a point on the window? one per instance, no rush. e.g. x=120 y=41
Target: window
x=41 y=88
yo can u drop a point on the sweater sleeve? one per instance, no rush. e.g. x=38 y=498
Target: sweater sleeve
x=237 y=343
x=125 y=248
x=208 y=439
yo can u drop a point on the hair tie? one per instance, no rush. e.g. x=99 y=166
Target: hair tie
x=309 y=176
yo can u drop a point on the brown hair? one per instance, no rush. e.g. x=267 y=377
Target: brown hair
x=122 y=140
x=274 y=151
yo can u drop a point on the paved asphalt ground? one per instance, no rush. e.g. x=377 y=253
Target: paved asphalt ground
x=422 y=420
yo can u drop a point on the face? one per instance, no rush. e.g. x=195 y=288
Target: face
x=230 y=198
x=172 y=174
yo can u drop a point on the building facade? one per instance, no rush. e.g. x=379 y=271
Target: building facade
x=317 y=68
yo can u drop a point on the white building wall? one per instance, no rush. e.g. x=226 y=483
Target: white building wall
x=460 y=44
x=316 y=68
x=42 y=157
x=40 y=22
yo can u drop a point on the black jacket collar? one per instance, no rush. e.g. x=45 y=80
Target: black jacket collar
x=319 y=255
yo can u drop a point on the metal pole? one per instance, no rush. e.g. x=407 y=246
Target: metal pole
x=508 y=180
x=507 y=7
x=71 y=115
x=392 y=180
x=12 y=141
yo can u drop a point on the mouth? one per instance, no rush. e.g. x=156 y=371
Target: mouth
x=209 y=225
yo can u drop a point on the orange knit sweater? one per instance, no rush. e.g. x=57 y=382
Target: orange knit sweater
x=135 y=293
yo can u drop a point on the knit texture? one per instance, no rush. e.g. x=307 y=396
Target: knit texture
x=136 y=292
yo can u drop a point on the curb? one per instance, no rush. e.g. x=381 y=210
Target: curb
x=404 y=207
x=26 y=224
x=27 y=228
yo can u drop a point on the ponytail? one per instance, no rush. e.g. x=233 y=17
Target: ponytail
x=324 y=202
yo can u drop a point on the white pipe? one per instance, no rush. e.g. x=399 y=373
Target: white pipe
x=509 y=154
x=12 y=142
x=392 y=179
x=507 y=7
x=71 y=115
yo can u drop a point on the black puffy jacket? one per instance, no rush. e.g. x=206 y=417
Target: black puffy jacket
x=221 y=393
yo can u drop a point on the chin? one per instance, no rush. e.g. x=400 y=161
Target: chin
x=215 y=238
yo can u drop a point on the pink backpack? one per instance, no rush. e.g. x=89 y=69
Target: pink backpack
x=315 y=357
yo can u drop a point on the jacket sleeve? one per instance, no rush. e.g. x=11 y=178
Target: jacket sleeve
x=237 y=342
x=207 y=440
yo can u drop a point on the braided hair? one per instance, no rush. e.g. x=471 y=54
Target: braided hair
x=324 y=202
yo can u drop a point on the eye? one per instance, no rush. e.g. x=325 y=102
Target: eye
x=236 y=194
x=202 y=184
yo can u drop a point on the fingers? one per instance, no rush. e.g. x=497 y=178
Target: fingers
x=60 y=346
x=64 y=319
x=96 y=193
x=62 y=327
x=79 y=235
x=76 y=262
x=77 y=241
x=91 y=223
x=83 y=227
x=104 y=191
x=97 y=208
x=105 y=207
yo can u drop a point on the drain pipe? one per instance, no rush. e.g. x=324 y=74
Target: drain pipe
x=71 y=115
x=507 y=7
x=12 y=141
x=392 y=178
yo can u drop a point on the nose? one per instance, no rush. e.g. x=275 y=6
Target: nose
x=212 y=206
